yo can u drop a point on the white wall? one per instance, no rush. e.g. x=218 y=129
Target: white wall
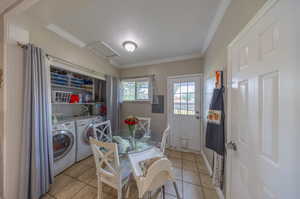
x=56 y=46
x=161 y=72
x=236 y=17
x=1 y=106
x=13 y=90
x=13 y=104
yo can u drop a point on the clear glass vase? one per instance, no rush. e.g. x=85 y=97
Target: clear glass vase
x=131 y=129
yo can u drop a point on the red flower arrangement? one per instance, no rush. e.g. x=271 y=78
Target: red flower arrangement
x=131 y=121
x=103 y=110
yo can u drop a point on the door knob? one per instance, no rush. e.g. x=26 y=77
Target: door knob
x=232 y=145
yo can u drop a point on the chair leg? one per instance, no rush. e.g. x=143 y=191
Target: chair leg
x=127 y=190
x=176 y=190
x=120 y=193
x=163 y=192
x=99 y=188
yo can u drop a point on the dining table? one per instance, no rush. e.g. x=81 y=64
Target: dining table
x=138 y=148
x=129 y=143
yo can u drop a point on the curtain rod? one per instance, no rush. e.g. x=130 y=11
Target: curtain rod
x=66 y=61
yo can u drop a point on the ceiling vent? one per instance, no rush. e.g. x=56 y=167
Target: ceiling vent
x=102 y=49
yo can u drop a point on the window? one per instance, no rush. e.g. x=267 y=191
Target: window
x=184 y=98
x=136 y=89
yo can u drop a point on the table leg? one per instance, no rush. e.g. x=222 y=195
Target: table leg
x=176 y=189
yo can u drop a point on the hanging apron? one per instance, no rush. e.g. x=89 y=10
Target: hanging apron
x=215 y=135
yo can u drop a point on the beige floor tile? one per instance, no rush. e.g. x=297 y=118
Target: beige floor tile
x=191 y=177
x=202 y=167
x=90 y=161
x=70 y=190
x=47 y=196
x=113 y=194
x=200 y=159
x=189 y=165
x=108 y=189
x=191 y=191
x=188 y=156
x=174 y=154
x=87 y=192
x=88 y=175
x=210 y=194
x=159 y=196
x=169 y=188
x=176 y=162
x=206 y=180
x=93 y=182
x=177 y=173
x=60 y=182
x=109 y=196
x=168 y=196
x=77 y=170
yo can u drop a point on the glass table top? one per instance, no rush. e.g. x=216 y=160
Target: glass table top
x=127 y=143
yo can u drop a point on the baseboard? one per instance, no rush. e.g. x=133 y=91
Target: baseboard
x=207 y=163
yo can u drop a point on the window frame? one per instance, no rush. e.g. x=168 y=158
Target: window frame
x=180 y=93
x=135 y=80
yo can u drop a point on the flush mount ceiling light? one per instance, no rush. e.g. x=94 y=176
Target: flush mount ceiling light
x=130 y=46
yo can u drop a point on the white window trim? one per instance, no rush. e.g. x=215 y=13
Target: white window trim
x=150 y=89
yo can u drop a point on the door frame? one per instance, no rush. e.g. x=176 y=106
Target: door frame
x=200 y=75
x=228 y=165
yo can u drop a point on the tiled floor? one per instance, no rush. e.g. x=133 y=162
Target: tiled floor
x=80 y=182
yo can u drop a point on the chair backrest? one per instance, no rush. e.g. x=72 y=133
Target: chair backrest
x=157 y=175
x=106 y=158
x=164 y=139
x=143 y=125
x=103 y=131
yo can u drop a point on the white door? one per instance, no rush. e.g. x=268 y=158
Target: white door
x=184 y=110
x=264 y=106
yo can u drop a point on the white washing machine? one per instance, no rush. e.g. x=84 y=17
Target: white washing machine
x=64 y=145
x=84 y=129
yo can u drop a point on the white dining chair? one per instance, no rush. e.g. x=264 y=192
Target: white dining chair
x=109 y=168
x=103 y=131
x=157 y=175
x=165 y=136
x=143 y=125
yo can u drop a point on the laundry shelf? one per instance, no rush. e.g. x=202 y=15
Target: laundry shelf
x=90 y=103
x=71 y=87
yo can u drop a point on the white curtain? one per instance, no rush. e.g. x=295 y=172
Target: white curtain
x=36 y=173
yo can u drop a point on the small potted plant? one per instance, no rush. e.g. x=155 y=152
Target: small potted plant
x=131 y=121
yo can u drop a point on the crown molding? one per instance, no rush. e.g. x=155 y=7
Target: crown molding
x=161 y=61
x=6 y=4
x=215 y=24
x=65 y=35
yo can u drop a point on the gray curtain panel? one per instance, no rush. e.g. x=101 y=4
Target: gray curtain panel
x=113 y=101
x=36 y=155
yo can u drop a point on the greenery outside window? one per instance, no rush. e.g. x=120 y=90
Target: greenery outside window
x=136 y=89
